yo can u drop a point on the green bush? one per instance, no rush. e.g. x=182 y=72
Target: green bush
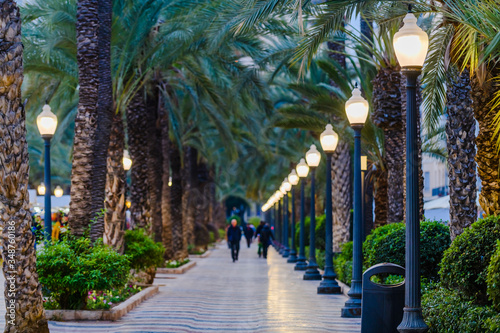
x=465 y=264
x=222 y=234
x=234 y=217
x=493 y=278
x=320 y=232
x=342 y=263
x=387 y=244
x=142 y=250
x=69 y=269
x=307 y=225
x=255 y=220
x=448 y=311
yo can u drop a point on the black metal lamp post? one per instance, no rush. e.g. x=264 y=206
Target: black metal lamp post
x=285 y=188
x=47 y=124
x=280 y=223
x=357 y=112
x=411 y=44
x=302 y=171
x=329 y=285
x=313 y=157
x=293 y=179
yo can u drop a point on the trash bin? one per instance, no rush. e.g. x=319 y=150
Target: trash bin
x=382 y=305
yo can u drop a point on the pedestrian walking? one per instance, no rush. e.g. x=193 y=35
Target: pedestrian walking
x=266 y=235
x=234 y=237
x=249 y=232
x=257 y=236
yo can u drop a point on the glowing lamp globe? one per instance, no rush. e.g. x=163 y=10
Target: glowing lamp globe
x=313 y=157
x=411 y=43
x=329 y=139
x=46 y=122
x=41 y=189
x=364 y=163
x=357 y=108
x=293 y=178
x=127 y=162
x=58 y=192
x=302 y=169
x=286 y=185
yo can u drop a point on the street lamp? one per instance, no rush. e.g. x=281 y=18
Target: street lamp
x=286 y=187
x=411 y=44
x=47 y=125
x=58 y=192
x=329 y=140
x=127 y=162
x=41 y=189
x=302 y=171
x=293 y=178
x=357 y=111
x=313 y=157
x=279 y=195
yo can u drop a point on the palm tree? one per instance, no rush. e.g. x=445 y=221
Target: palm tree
x=24 y=301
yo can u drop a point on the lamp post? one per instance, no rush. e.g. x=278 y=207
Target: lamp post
x=364 y=168
x=293 y=179
x=313 y=157
x=47 y=124
x=280 y=223
x=411 y=44
x=357 y=112
x=127 y=164
x=302 y=172
x=329 y=140
x=285 y=187
x=41 y=189
x=58 y=192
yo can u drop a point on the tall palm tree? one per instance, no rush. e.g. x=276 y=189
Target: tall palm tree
x=24 y=299
x=87 y=27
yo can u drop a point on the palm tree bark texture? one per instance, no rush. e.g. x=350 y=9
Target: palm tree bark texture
x=179 y=246
x=23 y=294
x=87 y=27
x=387 y=114
x=380 y=199
x=487 y=158
x=460 y=134
x=104 y=117
x=190 y=192
x=341 y=194
x=137 y=122
x=114 y=218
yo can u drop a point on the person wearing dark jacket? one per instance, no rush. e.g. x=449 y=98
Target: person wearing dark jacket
x=234 y=237
x=266 y=235
x=257 y=235
x=249 y=234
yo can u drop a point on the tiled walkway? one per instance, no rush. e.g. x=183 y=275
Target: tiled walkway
x=217 y=295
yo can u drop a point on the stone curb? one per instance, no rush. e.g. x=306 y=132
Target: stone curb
x=111 y=315
x=344 y=287
x=179 y=270
x=204 y=255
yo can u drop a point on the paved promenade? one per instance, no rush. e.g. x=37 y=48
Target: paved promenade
x=217 y=295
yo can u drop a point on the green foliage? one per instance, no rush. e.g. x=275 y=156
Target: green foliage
x=234 y=217
x=493 y=278
x=69 y=269
x=176 y=263
x=142 y=250
x=97 y=300
x=449 y=311
x=211 y=236
x=387 y=244
x=465 y=264
x=320 y=258
x=222 y=233
x=320 y=232
x=307 y=225
x=255 y=220
x=342 y=263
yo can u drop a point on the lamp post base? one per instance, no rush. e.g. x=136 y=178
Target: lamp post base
x=286 y=253
x=301 y=265
x=413 y=321
x=293 y=257
x=329 y=285
x=352 y=309
x=312 y=273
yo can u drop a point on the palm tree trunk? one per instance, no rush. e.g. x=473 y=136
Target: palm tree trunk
x=137 y=122
x=114 y=218
x=488 y=161
x=104 y=117
x=155 y=164
x=190 y=194
x=367 y=206
x=380 y=199
x=23 y=292
x=460 y=133
x=341 y=192
x=87 y=25
x=165 y=190
x=387 y=114
x=179 y=246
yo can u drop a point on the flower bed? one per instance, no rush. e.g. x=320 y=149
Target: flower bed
x=175 y=263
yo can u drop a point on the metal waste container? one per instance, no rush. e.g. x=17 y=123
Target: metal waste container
x=382 y=305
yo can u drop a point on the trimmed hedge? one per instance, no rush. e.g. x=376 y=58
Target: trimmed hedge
x=465 y=264
x=319 y=233
x=343 y=263
x=493 y=278
x=387 y=244
x=142 y=250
